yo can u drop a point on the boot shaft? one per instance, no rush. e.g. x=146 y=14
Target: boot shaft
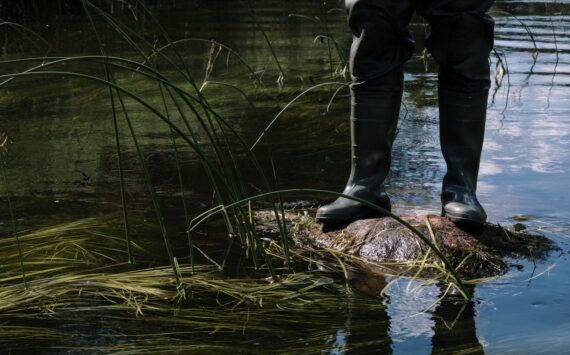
x=462 y=131
x=375 y=107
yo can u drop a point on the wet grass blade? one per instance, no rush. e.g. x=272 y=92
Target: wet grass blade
x=448 y=267
x=13 y=222
x=526 y=28
x=26 y=32
x=108 y=75
x=276 y=117
x=267 y=41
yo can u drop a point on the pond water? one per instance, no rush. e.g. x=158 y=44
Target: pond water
x=61 y=165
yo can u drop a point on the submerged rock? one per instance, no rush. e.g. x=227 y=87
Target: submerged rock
x=384 y=243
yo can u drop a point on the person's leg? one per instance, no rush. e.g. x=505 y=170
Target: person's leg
x=460 y=41
x=381 y=44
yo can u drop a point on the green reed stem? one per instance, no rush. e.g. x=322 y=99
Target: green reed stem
x=450 y=269
x=122 y=182
x=13 y=223
x=266 y=129
x=206 y=124
x=108 y=75
x=26 y=32
x=249 y=227
x=273 y=54
x=180 y=179
x=122 y=30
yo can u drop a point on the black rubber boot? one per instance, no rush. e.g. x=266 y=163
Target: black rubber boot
x=462 y=129
x=374 y=118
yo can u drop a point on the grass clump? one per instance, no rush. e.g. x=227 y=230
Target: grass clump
x=185 y=113
x=79 y=264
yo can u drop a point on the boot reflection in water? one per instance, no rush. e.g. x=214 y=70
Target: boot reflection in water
x=454 y=326
x=460 y=41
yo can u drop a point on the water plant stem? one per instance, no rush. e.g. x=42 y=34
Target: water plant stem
x=448 y=267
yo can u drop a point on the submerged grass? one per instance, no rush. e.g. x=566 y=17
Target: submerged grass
x=75 y=265
x=5 y=143
x=76 y=275
x=80 y=285
x=79 y=264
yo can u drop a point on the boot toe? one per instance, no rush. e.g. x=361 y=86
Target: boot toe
x=461 y=213
x=344 y=214
x=344 y=210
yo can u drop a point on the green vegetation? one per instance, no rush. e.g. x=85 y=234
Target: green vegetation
x=67 y=265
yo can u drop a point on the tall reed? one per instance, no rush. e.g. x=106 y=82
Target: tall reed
x=186 y=113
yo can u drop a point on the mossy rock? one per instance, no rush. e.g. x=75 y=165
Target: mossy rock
x=384 y=243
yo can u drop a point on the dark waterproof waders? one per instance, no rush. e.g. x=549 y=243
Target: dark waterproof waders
x=460 y=40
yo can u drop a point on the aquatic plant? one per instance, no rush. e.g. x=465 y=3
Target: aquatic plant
x=78 y=268
x=253 y=15
x=191 y=120
x=526 y=27
x=327 y=37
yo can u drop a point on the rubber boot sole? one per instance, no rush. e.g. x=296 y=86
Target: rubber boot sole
x=462 y=221
x=340 y=220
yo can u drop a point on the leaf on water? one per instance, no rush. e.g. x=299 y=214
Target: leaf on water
x=520 y=218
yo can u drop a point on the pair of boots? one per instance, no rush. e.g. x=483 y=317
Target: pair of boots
x=374 y=118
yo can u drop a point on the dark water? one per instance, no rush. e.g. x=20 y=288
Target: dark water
x=61 y=163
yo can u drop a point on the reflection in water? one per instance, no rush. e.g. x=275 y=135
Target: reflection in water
x=454 y=327
x=365 y=331
x=404 y=325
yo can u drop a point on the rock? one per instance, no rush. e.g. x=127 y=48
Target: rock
x=385 y=245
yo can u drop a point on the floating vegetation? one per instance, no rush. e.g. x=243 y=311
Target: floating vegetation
x=75 y=270
x=79 y=263
x=82 y=263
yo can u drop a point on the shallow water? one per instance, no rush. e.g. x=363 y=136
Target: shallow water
x=61 y=165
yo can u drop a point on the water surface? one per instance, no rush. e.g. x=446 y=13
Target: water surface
x=61 y=165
